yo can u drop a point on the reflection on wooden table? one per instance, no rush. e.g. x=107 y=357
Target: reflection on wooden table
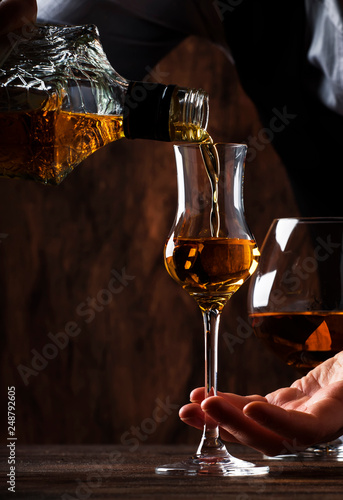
x=111 y=472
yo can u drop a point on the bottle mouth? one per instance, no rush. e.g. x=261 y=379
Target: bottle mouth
x=196 y=107
x=165 y=112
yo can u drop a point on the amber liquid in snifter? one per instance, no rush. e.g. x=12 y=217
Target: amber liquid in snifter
x=302 y=339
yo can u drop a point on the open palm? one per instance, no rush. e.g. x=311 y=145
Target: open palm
x=285 y=421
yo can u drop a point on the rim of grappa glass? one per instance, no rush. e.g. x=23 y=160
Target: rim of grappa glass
x=196 y=144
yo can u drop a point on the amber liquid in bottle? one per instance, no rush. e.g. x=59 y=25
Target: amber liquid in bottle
x=302 y=339
x=61 y=100
x=46 y=145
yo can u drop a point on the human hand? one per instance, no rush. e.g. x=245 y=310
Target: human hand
x=287 y=420
x=16 y=13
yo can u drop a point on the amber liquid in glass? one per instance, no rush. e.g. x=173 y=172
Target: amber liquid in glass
x=211 y=269
x=302 y=339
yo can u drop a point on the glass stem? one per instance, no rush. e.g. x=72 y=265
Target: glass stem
x=210 y=444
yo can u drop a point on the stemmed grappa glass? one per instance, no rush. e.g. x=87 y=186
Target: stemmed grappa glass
x=210 y=252
x=295 y=300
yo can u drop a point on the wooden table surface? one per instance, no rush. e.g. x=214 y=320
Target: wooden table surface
x=100 y=472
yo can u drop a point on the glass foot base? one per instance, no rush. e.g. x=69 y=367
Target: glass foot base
x=212 y=466
x=332 y=450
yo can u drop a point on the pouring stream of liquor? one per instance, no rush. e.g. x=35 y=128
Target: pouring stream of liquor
x=211 y=161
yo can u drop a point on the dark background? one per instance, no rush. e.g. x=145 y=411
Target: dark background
x=144 y=349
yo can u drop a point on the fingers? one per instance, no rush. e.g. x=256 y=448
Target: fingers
x=240 y=401
x=193 y=415
x=198 y=395
x=253 y=427
x=288 y=420
x=242 y=428
x=16 y=13
x=303 y=427
x=302 y=418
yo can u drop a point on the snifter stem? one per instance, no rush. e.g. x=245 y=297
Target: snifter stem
x=210 y=443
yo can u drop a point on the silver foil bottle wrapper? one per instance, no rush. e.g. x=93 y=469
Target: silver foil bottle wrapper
x=61 y=67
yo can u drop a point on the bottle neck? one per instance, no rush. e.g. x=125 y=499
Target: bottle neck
x=146 y=111
x=189 y=115
x=156 y=111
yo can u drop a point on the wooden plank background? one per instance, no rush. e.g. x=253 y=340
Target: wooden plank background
x=131 y=360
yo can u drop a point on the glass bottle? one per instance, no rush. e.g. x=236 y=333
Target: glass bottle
x=61 y=100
